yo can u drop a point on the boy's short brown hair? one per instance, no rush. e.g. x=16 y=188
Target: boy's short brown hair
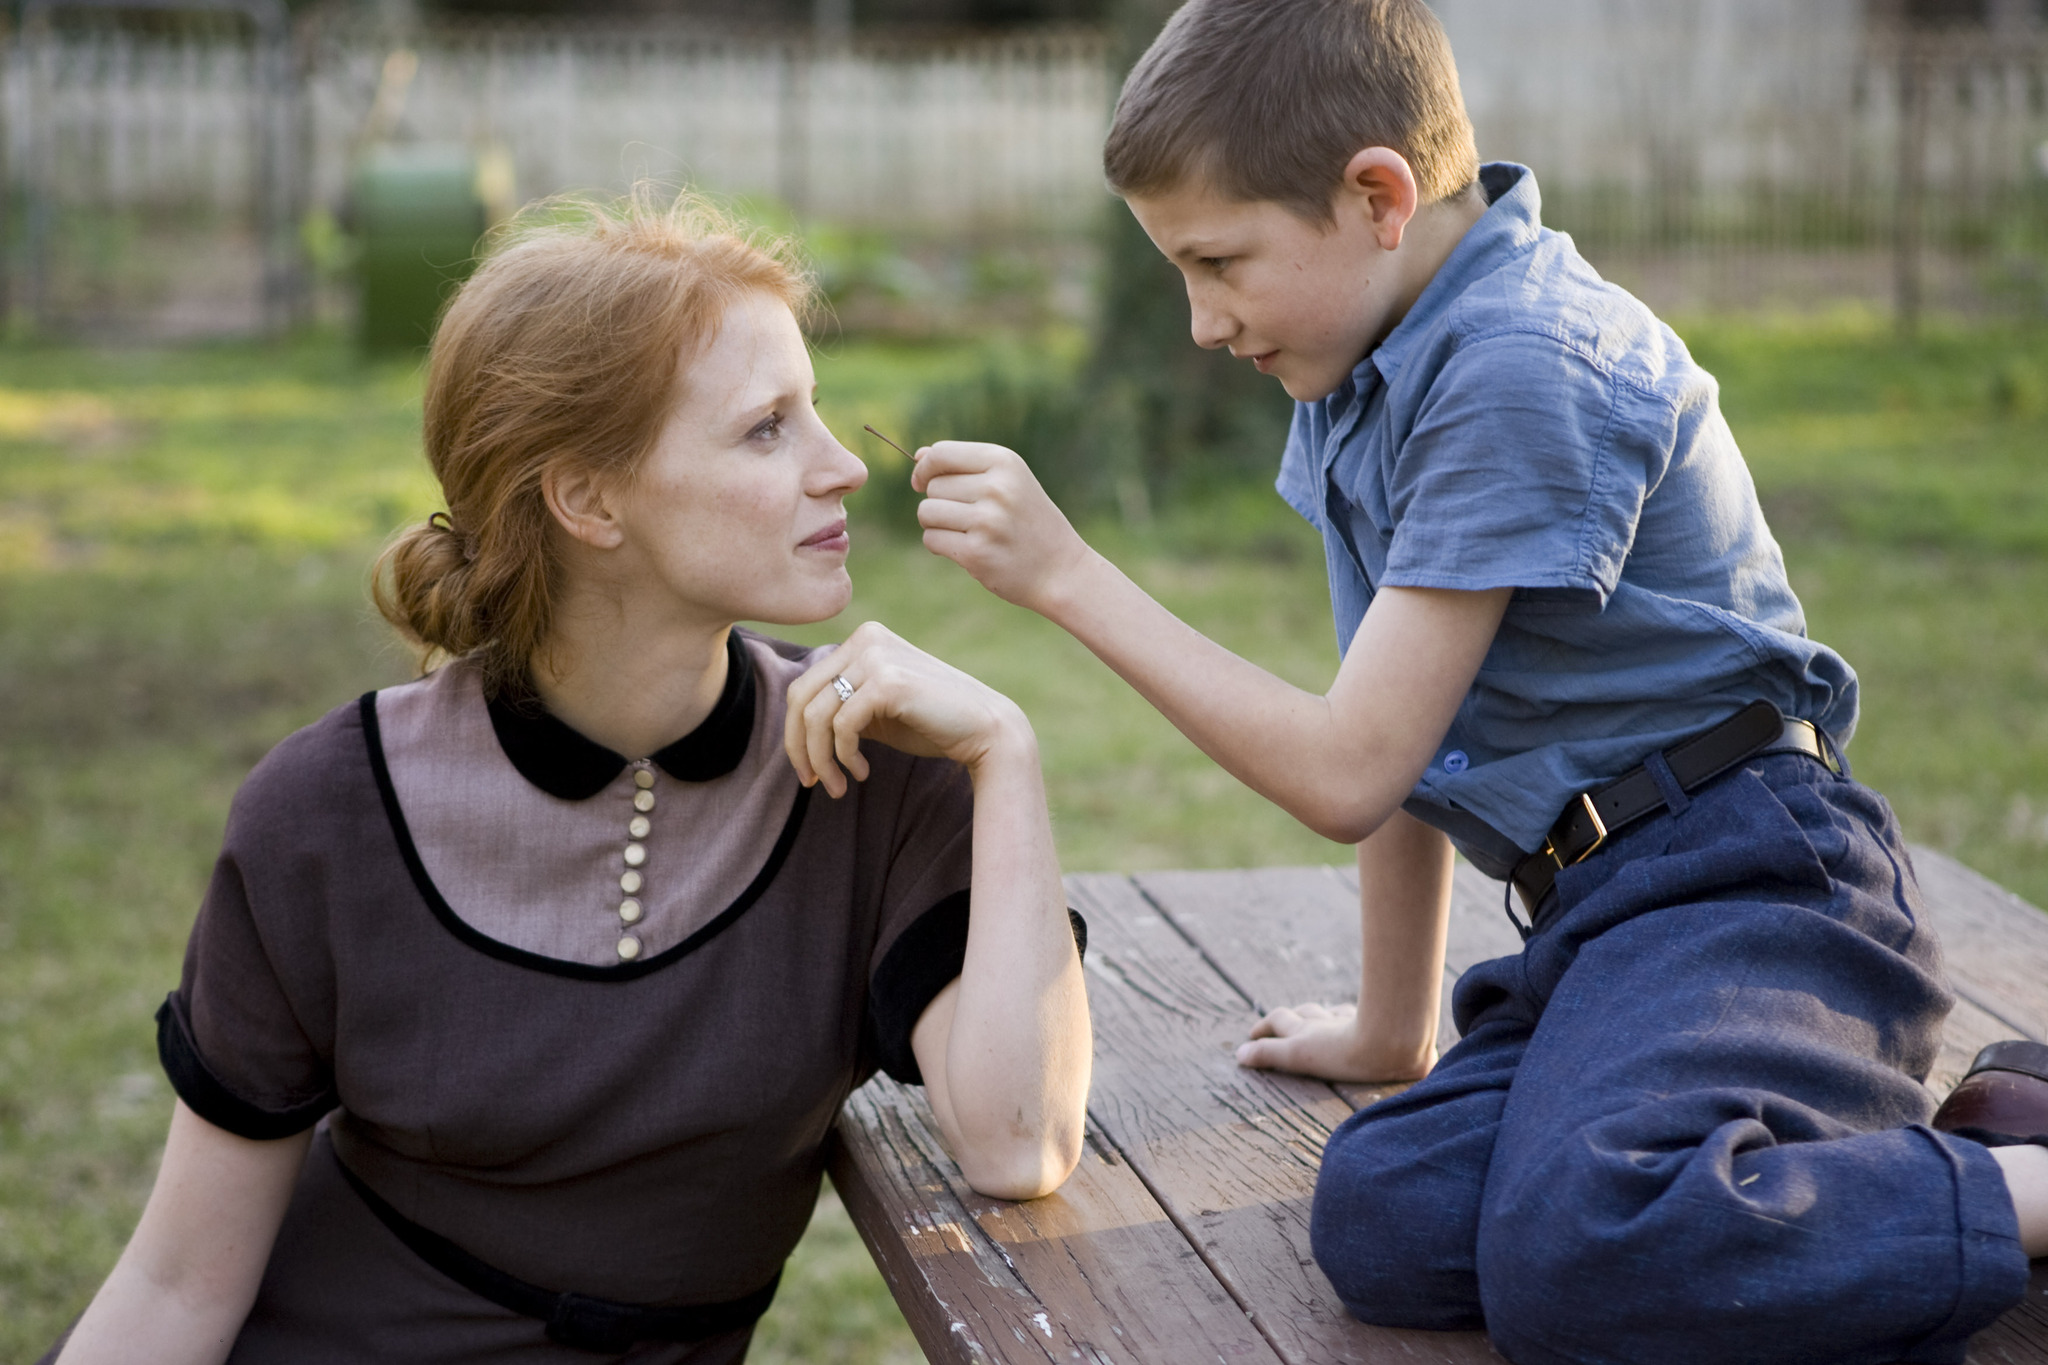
x=1268 y=99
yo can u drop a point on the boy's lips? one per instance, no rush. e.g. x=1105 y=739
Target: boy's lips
x=1264 y=361
x=831 y=537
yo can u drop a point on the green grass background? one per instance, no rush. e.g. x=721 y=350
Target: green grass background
x=184 y=539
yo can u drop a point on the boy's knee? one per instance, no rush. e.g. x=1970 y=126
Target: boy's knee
x=1394 y=1225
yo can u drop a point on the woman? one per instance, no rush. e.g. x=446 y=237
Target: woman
x=524 y=995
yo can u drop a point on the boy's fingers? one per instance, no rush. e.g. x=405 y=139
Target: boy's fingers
x=961 y=487
x=936 y=515
x=958 y=457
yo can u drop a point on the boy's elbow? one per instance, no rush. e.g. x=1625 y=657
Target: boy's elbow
x=1341 y=820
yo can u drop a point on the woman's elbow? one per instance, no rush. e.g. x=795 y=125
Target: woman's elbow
x=1021 y=1168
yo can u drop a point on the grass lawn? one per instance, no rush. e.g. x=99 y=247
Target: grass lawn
x=183 y=542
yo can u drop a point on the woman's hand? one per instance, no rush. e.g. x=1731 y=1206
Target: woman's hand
x=984 y=510
x=902 y=697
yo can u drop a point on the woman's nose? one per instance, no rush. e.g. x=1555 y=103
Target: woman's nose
x=840 y=470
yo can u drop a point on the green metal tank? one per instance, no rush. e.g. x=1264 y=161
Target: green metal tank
x=418 y=215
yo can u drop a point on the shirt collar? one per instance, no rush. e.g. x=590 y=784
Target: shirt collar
x=569 y=766
x=1512 y=222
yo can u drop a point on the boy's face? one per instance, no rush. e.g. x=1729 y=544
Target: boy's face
x=1301 y=301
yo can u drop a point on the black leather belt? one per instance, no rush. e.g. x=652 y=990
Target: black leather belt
x=574 y=1320
x=1596 y=816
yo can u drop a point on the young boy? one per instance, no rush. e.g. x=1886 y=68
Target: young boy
x=1685 y=1123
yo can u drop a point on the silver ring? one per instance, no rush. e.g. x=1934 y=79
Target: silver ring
x=843 y=688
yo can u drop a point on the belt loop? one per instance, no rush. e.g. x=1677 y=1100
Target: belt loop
x=1507 y=904
x=1659 y=768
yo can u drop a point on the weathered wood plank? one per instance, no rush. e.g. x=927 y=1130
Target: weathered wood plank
x=2021 y=1336
x=1094 y=1272
x=1996 y=944
x=1230 y=1154
x=1290 y=933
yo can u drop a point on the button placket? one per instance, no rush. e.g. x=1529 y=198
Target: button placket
x=631 y=911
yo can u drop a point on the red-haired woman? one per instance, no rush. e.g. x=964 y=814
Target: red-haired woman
x=524 y=995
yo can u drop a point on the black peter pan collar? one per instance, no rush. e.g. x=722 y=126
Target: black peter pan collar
x=570 y=766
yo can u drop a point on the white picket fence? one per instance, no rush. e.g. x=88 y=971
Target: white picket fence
x=956 y=136
x=1744 y=134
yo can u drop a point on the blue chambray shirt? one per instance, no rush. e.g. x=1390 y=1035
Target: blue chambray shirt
x=1529 y=425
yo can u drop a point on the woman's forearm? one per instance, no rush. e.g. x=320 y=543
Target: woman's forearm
x=1012 y=1090
x=189 y=1274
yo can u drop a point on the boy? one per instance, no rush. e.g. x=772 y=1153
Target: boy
x=1685 y=1123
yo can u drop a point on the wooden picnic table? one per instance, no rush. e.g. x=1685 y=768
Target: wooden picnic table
x=1183 y=1236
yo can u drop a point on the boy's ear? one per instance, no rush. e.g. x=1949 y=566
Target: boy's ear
x=1380 y=184
x=581 y=504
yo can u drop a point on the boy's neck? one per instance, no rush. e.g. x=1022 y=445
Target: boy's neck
x=1431 y=236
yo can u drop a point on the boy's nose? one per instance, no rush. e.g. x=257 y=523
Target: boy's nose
x=1210 y=327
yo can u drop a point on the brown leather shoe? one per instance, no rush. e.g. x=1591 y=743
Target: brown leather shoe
x=2005 y=1092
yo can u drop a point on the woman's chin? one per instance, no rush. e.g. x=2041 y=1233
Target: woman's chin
x=804 y=609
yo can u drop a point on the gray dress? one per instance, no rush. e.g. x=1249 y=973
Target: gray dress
x=589 y=1020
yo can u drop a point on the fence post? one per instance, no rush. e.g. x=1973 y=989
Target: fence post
x=1908 y=214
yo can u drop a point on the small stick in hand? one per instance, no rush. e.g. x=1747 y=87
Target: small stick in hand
x=889 y=443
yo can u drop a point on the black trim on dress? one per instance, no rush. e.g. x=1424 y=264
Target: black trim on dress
x=924 y=960
x=576 y=1320
x=519 y=957
x=206 y=1095
x=573 y=767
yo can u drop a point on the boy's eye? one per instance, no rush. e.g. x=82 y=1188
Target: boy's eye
x=1214 y=262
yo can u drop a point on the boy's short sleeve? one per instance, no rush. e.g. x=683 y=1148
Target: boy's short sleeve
x=1518 y=472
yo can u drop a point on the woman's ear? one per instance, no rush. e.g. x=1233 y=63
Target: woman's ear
x=581 y=504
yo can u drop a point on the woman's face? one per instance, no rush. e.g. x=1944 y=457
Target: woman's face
x=738 y=510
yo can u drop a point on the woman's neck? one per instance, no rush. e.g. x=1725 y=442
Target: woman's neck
x=631 y=686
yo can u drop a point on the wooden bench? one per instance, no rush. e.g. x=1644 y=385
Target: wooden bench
x=1183 y=1237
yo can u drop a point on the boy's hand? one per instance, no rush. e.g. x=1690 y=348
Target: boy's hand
x=1326 y=1041
x=984 y=510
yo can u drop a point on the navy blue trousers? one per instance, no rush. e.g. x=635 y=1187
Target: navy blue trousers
x=1685 y=1124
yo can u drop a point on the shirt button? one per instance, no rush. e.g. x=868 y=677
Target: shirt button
x=636 y=854
x=629 y=947
x=630 y=883
x=643 y=778
x=639 y=826
x=1456 y=762
x=630 y=911
x=643 y=801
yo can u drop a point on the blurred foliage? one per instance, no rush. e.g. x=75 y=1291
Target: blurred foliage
x=1146 y=416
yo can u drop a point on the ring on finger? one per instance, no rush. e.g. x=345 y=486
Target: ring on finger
x=843 y=688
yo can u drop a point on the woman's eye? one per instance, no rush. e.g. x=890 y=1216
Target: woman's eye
x=767 y=429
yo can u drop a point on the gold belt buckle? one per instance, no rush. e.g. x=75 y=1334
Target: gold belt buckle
x=1600 y=837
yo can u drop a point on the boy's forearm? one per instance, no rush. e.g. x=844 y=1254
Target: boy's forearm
x=1404 y=896
x=1272 y=736
x=1341 y=764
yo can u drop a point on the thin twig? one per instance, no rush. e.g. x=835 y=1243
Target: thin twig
x=889 y=443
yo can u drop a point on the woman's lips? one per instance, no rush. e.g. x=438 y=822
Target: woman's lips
x=832 y=537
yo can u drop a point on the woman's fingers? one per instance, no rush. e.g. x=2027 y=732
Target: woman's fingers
x=802 y=694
